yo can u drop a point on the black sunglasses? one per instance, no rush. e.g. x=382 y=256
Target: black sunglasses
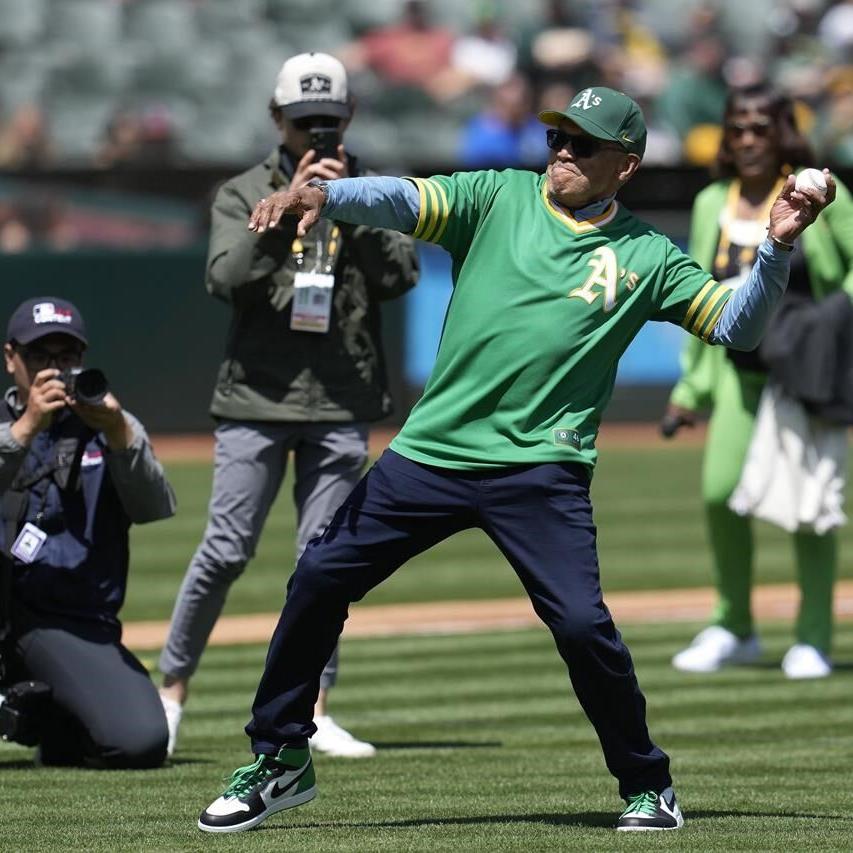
x=579 y=145
x=311 y=122
x=761 y=129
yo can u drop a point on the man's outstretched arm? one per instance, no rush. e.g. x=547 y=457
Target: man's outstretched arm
x=378 y=201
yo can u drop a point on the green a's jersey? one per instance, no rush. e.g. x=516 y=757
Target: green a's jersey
x=543 y=306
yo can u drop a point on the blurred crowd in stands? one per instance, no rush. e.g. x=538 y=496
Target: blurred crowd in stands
x=123 y=83
x=118 y=84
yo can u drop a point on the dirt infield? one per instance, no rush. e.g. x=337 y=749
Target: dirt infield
x=198 y=447
x=770 y=602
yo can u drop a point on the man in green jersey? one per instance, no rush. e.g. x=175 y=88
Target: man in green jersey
x=552 y=280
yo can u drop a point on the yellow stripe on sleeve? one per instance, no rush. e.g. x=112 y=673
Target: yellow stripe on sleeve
x=696 y=303
x=712 y=302
x=712 y=320
x=445 y=212
x=434 y=211
x=424 y=211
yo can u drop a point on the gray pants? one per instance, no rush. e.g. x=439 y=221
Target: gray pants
x=251 y=460
x=104 y=711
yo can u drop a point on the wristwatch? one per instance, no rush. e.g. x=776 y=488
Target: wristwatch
x=321 y=185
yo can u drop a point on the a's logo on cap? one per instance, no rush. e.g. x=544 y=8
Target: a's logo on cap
x=47 y=312
x=586 y=100
x=316 y=84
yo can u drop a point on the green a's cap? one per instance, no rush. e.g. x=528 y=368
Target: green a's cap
x=605 y=114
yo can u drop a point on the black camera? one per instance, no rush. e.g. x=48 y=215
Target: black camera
x=23 y=712
x=86 y=384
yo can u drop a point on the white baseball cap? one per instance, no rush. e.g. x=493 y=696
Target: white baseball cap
x=312 y=84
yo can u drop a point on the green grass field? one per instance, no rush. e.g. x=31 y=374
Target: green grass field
x=482 y=746
x=647 y=508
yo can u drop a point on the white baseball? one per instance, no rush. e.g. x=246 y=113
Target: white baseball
x=811 y=179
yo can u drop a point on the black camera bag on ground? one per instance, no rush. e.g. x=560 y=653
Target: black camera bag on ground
x=23 y=712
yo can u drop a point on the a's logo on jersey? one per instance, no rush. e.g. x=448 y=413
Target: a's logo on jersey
x=569 y=437
x=586 y=100
x=604 y=278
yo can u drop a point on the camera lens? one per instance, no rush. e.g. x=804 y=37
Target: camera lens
x=90 y=386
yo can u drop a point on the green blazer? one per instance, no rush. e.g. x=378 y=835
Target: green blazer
x=827 y=245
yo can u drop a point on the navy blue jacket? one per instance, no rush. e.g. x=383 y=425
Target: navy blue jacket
x=80 y=573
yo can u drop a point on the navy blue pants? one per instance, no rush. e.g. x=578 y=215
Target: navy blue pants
x=539 y=516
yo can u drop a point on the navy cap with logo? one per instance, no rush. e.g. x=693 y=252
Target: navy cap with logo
x=605 y=114
x=45 y=315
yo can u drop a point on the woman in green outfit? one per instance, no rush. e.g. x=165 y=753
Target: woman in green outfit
x=760 y=146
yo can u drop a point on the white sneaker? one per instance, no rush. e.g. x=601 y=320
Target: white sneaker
x=714 y=647
x=173 y=710
x=331 y=739
x=802 y=661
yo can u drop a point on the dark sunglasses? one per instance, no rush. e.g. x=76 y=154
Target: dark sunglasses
x=760 y=129
x=311 y=122
x=579 y=145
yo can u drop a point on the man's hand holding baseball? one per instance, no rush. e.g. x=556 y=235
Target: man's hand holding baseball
x=794 y=210
x=305 y=202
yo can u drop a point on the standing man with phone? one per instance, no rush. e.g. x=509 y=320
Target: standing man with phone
x=304 y=370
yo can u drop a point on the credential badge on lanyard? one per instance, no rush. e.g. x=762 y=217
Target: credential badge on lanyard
x=28 y=544
x=313 y=291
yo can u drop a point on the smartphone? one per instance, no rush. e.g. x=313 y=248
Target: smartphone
x=325 y=142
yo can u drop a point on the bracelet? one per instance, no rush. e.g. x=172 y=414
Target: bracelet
x=781 y=244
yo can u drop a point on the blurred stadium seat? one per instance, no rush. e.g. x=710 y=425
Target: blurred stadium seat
x=21 y=21
x=167 y=25
x=363 y=15
x=105 y=72
x=23 y=76
x=77 y=122
x=219 y=16
x=84 y=24
x=305 y=11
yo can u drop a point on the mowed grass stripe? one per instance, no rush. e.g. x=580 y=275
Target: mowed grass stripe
x=482 y=748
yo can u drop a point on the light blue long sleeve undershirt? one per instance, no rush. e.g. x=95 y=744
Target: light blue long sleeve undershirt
x=385 y=202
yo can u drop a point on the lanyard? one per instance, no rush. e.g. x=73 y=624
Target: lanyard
x=747 y=253
x=325 y=254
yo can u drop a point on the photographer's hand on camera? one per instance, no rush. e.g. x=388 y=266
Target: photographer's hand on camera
x=106 y=417
x=301 y=198
x=46 y=397
x=326 y=169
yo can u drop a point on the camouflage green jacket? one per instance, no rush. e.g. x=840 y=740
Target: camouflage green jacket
x=270 y=372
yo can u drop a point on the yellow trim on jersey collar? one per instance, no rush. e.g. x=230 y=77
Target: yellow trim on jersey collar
x=578 y=226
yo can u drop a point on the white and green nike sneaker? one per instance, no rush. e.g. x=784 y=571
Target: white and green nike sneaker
x=651 y=811
x=254 y=792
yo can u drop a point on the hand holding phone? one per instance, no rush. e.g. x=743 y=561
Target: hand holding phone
x=325 y=142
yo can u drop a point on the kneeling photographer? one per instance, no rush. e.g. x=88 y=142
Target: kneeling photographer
x=75 y=472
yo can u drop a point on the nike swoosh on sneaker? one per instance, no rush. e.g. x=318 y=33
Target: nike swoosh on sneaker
x=279 y=790
x=669 y=809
